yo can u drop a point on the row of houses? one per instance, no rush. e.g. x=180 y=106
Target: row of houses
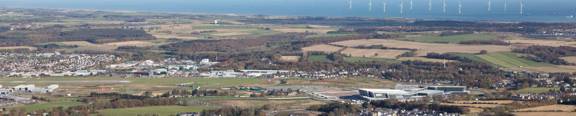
x=241 y=73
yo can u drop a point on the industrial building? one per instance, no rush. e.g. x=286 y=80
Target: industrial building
x=411 y=93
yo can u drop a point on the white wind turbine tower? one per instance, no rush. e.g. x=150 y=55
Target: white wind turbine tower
x=429 y=5
x=370 y=6
x=505 y=5
x=444 y=6
x=385 y=6
x=411 y=5
x=401 y=7
x=460 y=7
x=522 y=7
x=349 y=4
x=489 y=5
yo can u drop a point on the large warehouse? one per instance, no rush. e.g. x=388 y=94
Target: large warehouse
x=409 y=94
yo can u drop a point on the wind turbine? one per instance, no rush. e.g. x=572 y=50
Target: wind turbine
x=370 y=6
x=349 y=4
x=385 y=6
x=411 y=5
x=401 y=7
x=429 y=5
x=505 y=5
x=460 y=7
x=522 y=7
x=444 y=6
x=489 y=5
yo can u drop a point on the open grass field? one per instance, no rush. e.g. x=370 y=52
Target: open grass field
x=346 y=83
x=151 y=110
x=373 y=53
x=425 y=48
x=85 y=85
x=570 y=59
x=451 y=38
x=281 y=104
x=202 y=30
x=364 y=59
x=550 y=108
x=60 y=102
x=322 y=48
x=290 y=58
x=205 y=82
x=544 y=113
x=84 y=45
x=523 y=42
x=423 y=59
x=318 y=58
x=536 y=90
x=303 y=28
x=19 y=47
x=480 y=104
x=510 y=60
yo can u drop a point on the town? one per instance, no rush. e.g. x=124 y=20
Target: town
x=57 y=62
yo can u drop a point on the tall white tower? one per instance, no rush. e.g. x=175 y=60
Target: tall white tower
x=505 y=5
x=385 y=6
x=460 y=7
x=349 y=4
x=370 y=5
x=522 y=7
x=429 y=5
x=444 y=6
x=411 y=5
x=489 y=5
x=402 y=7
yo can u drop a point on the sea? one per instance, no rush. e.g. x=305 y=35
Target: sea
x=462 y=10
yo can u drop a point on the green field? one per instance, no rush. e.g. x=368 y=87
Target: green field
x=61 y=102
x=451 y=39
x=472 y=57
x=361 y=59
x=204 y=82
x=509 y=60
x=536 y=90
x=152 y=110
x=318 y=58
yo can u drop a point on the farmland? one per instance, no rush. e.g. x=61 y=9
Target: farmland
x=428 y=38
x=373 y=53
x=425 y=48
x=59 y=102
x=536 y=90
x=152 y=110
x=510 y=60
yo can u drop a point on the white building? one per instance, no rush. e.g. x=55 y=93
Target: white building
x=450 y=89
x=222 y=74
x=33 y=89
x=410 y=93
x=258 y=73
x=384 y=94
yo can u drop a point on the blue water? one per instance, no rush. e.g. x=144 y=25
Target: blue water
x=498 y=10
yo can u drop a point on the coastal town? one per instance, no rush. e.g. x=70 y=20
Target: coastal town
x=62 y=62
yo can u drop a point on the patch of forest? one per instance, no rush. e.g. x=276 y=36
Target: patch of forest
x=548 y=54
x=32 y=37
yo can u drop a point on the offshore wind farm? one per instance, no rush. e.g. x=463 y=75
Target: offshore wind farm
x=496 y=10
